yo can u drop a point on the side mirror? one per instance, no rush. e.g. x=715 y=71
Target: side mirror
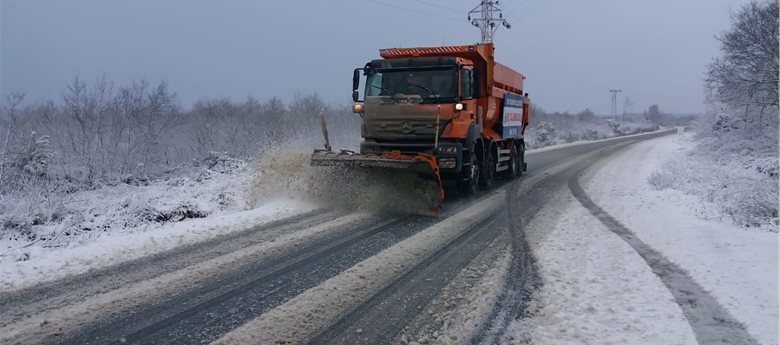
x=356 y=79
x=476 y=85
x=355 y=95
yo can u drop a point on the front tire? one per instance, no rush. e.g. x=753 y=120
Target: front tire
x=469 y=186
x=489 y=170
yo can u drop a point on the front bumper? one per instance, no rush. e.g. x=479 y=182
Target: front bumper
x=449 y=161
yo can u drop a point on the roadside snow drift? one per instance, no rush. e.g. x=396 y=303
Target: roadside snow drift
x=595 y=287
x=738 y=266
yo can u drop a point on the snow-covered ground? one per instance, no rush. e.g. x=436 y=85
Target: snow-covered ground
x=114 y=224
x=739 y=266
x=597 y=289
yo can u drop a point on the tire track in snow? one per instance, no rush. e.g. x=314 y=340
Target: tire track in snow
x=386 y=313
x=710 y=321
x=523 y=278
x=383 y=316
x=230 y=301
x=55 y=294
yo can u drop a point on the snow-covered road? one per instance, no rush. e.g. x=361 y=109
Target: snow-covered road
x=658 y=274
x=563 y=255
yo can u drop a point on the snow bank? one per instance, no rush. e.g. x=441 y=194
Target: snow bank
x=548 y=134
x=738 y=176
x=45 y=264
x=738 y=266
x=585 y=142
x=138 y=218
x=595 y=287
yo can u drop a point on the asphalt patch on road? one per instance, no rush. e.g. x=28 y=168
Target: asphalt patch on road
x=710 y=321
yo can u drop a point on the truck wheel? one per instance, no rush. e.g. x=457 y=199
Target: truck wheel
x=469 y=186
x=520 y=160
x=515 y=167
x=489 y=170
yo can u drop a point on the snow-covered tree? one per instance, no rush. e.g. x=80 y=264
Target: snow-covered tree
x=744 y=80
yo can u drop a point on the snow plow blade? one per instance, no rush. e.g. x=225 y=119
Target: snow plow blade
x=414 y=180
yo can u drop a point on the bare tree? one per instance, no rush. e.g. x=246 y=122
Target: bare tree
x=160 y=109
x=628 y=105
x=88 y=109
x=745 y=78
x=10 y=119
x=586 y=115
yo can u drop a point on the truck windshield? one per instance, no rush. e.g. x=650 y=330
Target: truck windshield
x=431 y=84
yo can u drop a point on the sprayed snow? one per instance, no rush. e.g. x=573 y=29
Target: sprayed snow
x=595 y=287
x=289 y=173
x=738 y=266
x=304 y=315
x=70 y=317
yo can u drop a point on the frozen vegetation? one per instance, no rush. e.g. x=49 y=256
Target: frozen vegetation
x=734 y=163
x=106 y=160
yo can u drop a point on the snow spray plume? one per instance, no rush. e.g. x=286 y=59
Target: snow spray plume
x=374 y=190
x=287 y=173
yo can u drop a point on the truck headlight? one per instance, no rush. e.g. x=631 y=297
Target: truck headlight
x=459 y=106
x=357 y=108
x=447 y=163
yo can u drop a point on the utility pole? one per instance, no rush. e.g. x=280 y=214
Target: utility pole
x=487 y=22
x=614 y=103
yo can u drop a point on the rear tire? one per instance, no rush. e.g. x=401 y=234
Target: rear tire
x=520 y=163
x=515 y=167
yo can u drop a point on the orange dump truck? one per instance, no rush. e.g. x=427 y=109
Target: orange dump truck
x=448 y=113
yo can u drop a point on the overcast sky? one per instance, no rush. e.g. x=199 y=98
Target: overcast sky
x=571 y=51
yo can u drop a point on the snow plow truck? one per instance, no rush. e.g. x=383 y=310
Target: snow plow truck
x=451 y=115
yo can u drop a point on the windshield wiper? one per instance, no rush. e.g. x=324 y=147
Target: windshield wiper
x=426 y=89
x=388 y=93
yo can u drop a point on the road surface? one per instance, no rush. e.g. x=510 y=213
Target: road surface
x=327 y=277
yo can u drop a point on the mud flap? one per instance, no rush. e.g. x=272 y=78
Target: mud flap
x=415 y=181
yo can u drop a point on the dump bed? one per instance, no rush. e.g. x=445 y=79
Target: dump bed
x=498 y=75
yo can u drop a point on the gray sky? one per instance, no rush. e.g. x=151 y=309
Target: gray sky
x=572 y=52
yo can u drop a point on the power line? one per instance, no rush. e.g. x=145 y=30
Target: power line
x=532 y=11
x=516 y=7
x=517 y=54
x=569 y=70
x=414 y=11
x=547 y=58
x=439 y=6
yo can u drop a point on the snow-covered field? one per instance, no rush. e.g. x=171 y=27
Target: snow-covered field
x=125 y=222
x=598 y=290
